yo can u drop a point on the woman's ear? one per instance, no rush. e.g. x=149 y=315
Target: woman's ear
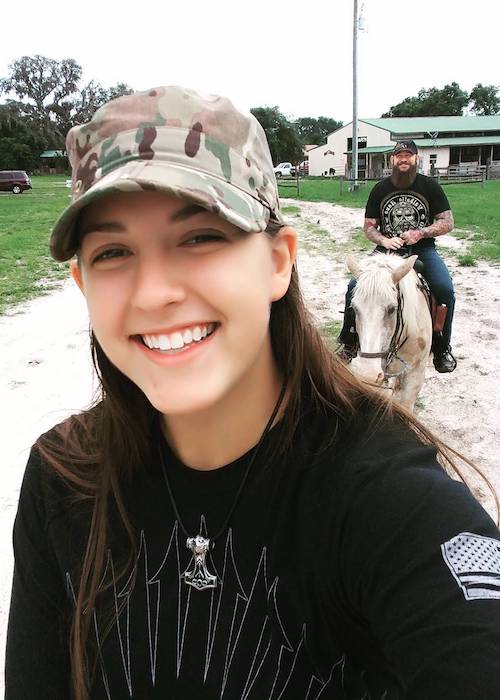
x=284 y=252
x=76 y=274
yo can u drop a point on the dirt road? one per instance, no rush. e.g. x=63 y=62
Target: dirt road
x=463 y=408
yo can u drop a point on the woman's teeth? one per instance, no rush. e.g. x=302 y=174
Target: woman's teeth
x=179 y=339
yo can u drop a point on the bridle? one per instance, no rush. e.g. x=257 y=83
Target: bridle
x=397 y=342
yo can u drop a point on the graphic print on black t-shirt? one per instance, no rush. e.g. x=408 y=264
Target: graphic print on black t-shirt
x=401 y=211
x=227 y=642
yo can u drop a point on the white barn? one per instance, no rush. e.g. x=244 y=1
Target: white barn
x=442 y=142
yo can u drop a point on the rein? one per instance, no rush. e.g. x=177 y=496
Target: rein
x=395 y=345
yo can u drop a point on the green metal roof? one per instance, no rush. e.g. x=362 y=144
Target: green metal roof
x=53 y=154
x=460 y=141
x=437 y=143
x=374 y=149
x=411 y=125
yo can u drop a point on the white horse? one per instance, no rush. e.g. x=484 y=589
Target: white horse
x=393 y=323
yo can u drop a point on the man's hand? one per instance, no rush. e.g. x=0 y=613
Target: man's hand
x=392 y=243
x=411 y=236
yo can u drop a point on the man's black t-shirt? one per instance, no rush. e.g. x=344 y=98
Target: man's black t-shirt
x=413 y=208
x=365 y=573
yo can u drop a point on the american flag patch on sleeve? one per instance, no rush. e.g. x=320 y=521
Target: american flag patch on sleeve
x=474 y=562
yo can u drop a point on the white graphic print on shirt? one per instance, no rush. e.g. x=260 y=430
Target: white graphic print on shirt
x=474 y=562
x=248 y=615
x=402 y=211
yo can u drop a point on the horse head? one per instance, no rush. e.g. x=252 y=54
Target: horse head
x=377 y=302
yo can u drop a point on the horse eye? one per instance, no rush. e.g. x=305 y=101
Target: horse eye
x=391 y=310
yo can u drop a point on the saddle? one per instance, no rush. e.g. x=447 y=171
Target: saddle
x=438 y=311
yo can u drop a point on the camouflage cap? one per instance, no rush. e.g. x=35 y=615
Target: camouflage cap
x=174 y=140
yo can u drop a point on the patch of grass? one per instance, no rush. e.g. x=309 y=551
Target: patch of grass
x=26 y=268
x=290 y=209
x=466 y=260
x=361 y=241
x=475 y=208
x=419 y=404
x=331 y=330
x=322 y=189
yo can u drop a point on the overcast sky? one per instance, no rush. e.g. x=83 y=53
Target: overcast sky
x=297 y=55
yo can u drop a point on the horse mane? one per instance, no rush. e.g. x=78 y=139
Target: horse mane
x=374 y=284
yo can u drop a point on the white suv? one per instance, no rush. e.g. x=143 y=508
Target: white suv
x=284 y=170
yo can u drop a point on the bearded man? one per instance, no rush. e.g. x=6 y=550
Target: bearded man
x=404 y=214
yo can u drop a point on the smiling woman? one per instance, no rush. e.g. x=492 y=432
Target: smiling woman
x=237 y=516
x=173 y=272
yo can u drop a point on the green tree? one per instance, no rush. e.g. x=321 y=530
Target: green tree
x=49 y=101
x=282 y=135
x=80 y=108
x=433 y=102
x=20 y=143
x=484 y=100
x=50 y=95
x=316 y=130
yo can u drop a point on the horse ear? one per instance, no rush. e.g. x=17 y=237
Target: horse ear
x=353 y=266
x=404 y=269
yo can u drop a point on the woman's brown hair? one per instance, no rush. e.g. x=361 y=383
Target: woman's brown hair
x=98 y=451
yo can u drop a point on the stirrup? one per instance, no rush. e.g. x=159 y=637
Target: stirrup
x=445 y=361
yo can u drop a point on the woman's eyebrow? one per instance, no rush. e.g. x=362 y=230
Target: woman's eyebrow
x=186 y=212
x=102 y=227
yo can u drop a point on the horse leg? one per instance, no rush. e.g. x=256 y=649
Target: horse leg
x=408 y=387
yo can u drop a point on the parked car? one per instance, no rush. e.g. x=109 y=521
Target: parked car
x=15 y=181
x=284 y=170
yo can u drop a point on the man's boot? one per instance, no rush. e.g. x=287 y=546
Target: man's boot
x=348 y=338
x=444 y=360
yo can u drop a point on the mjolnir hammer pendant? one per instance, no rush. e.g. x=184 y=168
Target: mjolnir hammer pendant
x=199 y=577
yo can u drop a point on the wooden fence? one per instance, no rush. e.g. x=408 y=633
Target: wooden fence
x=460 y=174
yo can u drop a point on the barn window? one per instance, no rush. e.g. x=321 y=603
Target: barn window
x=469 y=154
x=362 y=142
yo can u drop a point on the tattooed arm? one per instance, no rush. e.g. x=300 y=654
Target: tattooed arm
x=443 y=223
x=373 y=234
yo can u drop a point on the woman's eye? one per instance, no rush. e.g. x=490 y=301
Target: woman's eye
x=110 y=254
x=205 y=237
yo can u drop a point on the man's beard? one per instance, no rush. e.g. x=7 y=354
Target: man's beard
x=403 y=180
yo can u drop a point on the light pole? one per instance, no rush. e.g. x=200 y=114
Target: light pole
x=358 y=23
x=354 y=149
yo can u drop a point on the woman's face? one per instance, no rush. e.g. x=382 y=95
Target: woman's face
x=178 y=298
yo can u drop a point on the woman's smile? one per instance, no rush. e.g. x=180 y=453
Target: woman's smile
x=178 y=345
x=177 y=339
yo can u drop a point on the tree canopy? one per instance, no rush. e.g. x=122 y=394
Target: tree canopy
x=450 y=100
x=485 y=100
x=315 y=131
x=287 y=138
x=49 y=99
x=282 y=135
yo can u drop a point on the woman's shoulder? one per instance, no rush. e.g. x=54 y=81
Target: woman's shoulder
x=369 y=444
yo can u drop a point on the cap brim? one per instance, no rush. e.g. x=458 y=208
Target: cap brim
x=210 y=192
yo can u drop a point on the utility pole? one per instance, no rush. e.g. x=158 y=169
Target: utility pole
x=354 y=150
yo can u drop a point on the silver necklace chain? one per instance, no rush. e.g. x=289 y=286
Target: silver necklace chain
x=197 y=574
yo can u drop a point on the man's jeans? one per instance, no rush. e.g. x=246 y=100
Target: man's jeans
x=439 y=281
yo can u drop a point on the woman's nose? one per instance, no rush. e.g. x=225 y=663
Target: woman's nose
x=157 y=283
